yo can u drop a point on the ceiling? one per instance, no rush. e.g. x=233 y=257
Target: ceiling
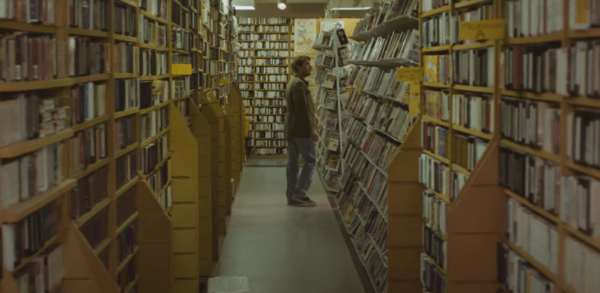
x=336 y=3
x=293 y=1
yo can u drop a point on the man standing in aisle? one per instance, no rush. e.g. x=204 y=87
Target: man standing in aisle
x=301 y=135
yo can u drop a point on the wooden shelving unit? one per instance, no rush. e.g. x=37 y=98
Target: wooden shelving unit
x=471 y=255
x=250 y=91
x=162 y=232
x=476 y=219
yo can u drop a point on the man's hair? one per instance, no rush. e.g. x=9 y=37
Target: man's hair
x=298 y=62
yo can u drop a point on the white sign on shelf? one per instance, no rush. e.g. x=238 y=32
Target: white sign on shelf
x=338 y=72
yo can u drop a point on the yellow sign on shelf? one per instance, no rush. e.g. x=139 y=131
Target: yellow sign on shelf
x=223 y=81
x=415 y=89
x=409 y=74
x=181 y=69
x=491 y=29
x=413 y=107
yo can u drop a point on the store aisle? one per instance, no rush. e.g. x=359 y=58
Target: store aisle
x=282 y=248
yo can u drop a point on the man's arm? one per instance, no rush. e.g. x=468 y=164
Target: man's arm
x=310 y=107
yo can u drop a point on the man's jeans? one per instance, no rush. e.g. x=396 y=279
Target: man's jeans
x=306 y=147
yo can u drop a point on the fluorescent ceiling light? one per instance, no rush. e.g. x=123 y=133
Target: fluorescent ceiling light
x=281 y=4
x=351 y=8
x=244 y=7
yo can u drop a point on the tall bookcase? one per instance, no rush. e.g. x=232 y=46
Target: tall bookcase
x=117 y=215
x=503 y=186
x=458 y=252
x=267 y=46
x=379 y=136
x=329 y=115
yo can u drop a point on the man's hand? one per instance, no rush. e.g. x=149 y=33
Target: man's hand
x=314 y=136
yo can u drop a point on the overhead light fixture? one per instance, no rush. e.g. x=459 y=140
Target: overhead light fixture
x=351 y=8
x=244 y=7
x=243 y=4
x=281 y=4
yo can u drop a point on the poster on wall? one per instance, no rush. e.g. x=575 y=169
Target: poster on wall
x=304 y=33
x=332 y=25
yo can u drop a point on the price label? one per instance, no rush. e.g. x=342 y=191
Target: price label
x=181 y=69
x=413 y=107
x=415 y=89
x=409 y=74
x=482 y=30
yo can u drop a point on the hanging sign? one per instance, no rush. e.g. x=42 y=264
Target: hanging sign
x=409 y=74
x=491 y=29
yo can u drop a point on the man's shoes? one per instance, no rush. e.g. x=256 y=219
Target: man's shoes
x=302 y=202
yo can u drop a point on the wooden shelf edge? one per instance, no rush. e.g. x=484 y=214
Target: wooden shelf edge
x=460 y=169
x=584 y=102
x=435 y=11
x=153 y=17
x=443 y=271
x=87 y=32
x=127 y=222
x=90 y=123
x=92 y=168
x=471 y=88
x=24 y=26
x=583 y=169
x=477 y=45
x=128 y=259
x=47 y=244
x=473 y=132
x=549 y=97
x=127 y=186
x=538 y=210
x=426 y=222
x=443 y=197
x=124 y=113
x=154 y=77
x=436 y=85
x=436 y=49
x=437 y=157
x=20 y=210
x=582 y=34
x=131 y=285
x=158 y=165
x=589 y=240
x=538 y=266
x=556 y=37
x=28 y=146
x=155 y=107
x=127 y=150
x=20 y=86
x=119 y=37
x=529 y=150
x=95 y=210
x=463 y=4
x=155 y=137
x=104 y=244
x=435 y=120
